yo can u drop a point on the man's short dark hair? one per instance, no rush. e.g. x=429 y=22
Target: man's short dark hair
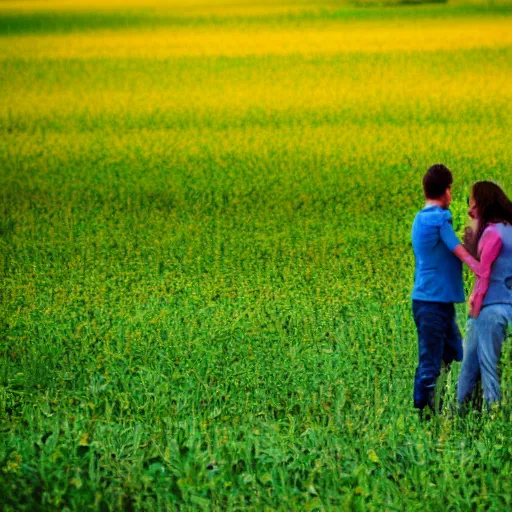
x=436 y=180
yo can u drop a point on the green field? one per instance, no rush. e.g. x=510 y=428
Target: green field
x=205 y=256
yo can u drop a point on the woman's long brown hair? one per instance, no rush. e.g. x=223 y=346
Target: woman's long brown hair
x=493 y=206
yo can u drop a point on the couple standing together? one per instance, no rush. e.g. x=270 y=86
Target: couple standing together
x=438 y=285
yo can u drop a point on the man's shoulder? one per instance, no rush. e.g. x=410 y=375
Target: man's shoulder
x=433 y=217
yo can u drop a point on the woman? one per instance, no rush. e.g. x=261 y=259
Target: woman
x=490 y=304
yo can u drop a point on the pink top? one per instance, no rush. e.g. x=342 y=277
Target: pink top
x=489 y=249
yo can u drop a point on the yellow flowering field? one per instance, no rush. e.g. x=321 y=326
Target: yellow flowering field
x=205 y=212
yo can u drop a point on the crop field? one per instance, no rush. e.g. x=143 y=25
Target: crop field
x=205 y=257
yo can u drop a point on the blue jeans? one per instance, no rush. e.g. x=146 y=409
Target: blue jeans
x=439 y=340
x=482 y=350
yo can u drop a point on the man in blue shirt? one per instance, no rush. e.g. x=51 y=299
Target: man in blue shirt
x=437 y=284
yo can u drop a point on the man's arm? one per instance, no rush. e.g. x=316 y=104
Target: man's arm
x=464 y=256
x=451 y=241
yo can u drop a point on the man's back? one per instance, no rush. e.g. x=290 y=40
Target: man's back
x=438 y=273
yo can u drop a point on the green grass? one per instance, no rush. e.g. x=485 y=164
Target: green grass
x=17 y=21
x=206 y=270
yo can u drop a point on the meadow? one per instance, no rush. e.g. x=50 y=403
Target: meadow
x=205 y=256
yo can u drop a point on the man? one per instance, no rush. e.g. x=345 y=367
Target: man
x=438 y=284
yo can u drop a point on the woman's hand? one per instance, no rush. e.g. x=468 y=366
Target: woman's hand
x=469 y=240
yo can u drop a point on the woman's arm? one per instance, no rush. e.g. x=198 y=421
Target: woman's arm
x=490 y=246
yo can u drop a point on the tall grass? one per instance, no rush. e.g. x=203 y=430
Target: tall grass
x=206 y=263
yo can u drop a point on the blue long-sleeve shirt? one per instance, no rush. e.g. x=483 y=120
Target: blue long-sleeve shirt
x=438 y=272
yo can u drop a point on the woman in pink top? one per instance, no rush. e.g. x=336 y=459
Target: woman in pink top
x=490 y=304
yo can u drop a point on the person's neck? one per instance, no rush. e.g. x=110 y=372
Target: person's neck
x=435 y=202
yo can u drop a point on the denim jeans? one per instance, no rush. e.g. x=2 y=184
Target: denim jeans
x=482 y=350
x=439 y=340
